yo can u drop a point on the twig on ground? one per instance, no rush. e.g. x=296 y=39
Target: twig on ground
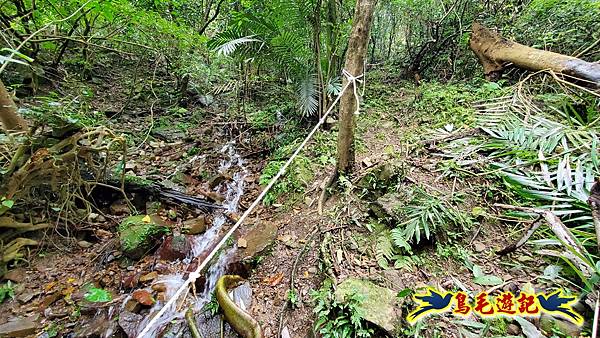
x=308 y=243
x=191 y=321
x=513 y=247
x=563 y=234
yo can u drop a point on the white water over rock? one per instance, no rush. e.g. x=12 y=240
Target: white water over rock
x=234 y=190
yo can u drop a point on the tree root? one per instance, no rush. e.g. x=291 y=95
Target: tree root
x=9 y=222
x=324 y=187
x=11 y=251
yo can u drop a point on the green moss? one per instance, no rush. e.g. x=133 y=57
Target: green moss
x=138 y=180
x=137 y=232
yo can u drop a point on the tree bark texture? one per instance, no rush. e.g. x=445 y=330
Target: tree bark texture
x=355 y=60
x=495 y=52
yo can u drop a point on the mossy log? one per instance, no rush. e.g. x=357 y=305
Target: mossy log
x=495 y=52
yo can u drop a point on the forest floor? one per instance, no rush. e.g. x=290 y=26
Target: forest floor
x=340 y=243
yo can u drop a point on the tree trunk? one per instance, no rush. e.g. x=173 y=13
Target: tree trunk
x=494 y=52
x=355 y=60
x=10 y=118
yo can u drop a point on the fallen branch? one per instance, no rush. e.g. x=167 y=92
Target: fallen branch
x=495 y=52
x=562 y=233
x=513 y=247
x=11 y=251
x=594 y=202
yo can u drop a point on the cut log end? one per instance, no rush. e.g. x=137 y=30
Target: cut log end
x=495 y=52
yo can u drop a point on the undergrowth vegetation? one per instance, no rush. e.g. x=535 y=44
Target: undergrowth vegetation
x=338 y=318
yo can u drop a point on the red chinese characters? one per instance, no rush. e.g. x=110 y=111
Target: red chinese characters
x=505 y=304
x=527 y=304
x=482 y=306
x=462 y=308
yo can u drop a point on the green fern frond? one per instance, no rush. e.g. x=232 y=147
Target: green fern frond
x=384 y=249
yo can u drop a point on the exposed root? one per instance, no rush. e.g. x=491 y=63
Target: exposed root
x=11 y=251
x=9 y=222
x=324 y=187
x=64 y=173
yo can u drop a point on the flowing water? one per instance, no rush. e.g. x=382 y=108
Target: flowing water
x=233 y=191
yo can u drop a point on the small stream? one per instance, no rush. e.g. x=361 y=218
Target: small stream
x=232 y=190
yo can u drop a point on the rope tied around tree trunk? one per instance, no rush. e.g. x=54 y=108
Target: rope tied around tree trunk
x=194 y=275
x=354 y=80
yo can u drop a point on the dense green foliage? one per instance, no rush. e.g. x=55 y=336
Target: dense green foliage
x=336 y=319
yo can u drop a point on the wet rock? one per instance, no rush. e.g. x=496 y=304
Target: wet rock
x=137 y=234
x=97 y=327
x=19 y=327
x=149 y=277
x=119 y=207
x=143 y=297
x=259 y=238
x=84 y=244
x=168 y=134
x=379 y=304
x=210 y=326
x=174 y=247
x=132 y=305
x=568 y=328
x=159 y=287
x=242 y=296
x=218 y=179
x=194 y=226
x=16 y=275
x=129 y=322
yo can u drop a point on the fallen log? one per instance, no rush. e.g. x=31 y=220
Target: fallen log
x=158 y=191
x=495 y=52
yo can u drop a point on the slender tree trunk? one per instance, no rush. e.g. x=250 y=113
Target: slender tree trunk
x=332 y=32
x=317 y=54
x=494 y=52
x=355 y=61
x=10 y=118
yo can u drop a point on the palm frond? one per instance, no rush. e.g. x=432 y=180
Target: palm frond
x=308 y=95
x=231 y=46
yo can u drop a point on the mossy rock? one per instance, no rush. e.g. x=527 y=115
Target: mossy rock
x=379 y=305
x=137 y=234
x=383 y=175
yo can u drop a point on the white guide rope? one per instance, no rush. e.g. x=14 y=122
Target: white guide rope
x=352 y=80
